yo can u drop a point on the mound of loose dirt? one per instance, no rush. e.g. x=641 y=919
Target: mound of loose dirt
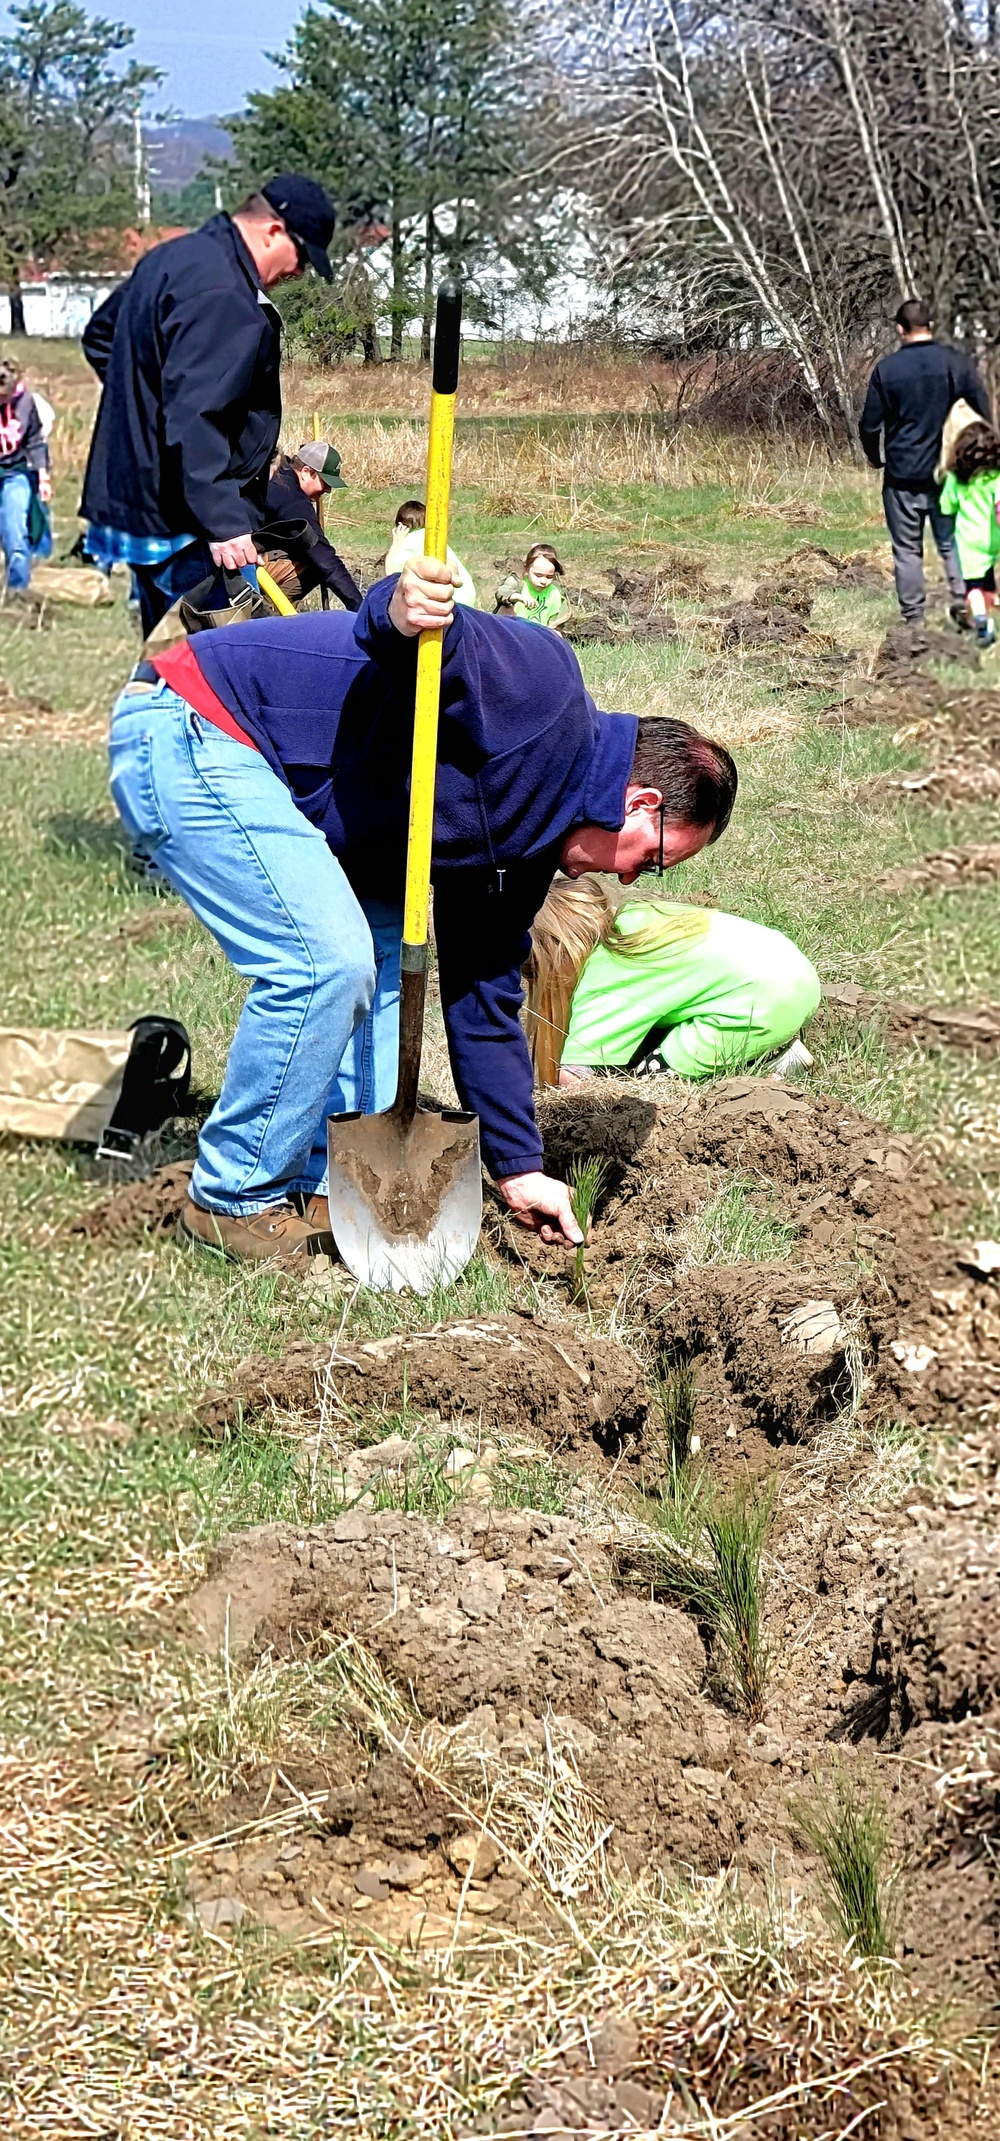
x=749 y=624
x=933 y=1025
x=510 y=1659
x=837 y=1175
x=904 y=650
x=499 y=1630
x=151 y=1205
x=862 y=1212
x=504 y=1373
x=811 y=566
x=947 y=869
x=792 y=2051
x=936 y=1640
x=960 y=782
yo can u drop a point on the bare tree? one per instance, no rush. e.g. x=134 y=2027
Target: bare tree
x=792 y=168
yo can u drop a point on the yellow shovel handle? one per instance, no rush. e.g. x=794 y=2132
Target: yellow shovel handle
x=273 y=592
x=447 y=344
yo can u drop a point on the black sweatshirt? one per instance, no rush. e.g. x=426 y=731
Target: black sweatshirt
x=909 y=395
x=286 y=501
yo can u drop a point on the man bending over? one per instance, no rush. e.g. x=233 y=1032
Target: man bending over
x=267 y=767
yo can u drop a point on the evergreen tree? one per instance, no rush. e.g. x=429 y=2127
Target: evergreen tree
x=66 y=119
x=411 y=113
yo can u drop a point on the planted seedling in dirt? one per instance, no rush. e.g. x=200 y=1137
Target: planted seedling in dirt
x=677 y=1403
x=712 y=1561
x=851 y=1835
x=737 y=1531
x=586 y=1181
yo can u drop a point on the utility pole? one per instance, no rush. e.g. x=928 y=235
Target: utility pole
x=143 y=208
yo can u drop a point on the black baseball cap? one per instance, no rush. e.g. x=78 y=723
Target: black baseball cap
x=307 y=213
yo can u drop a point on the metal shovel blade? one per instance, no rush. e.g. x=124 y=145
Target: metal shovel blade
x=406 y=1197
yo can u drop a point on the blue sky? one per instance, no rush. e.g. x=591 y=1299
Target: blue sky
x=211 y=53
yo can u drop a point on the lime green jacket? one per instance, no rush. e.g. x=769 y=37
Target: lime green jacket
x=541 y=605
x=974 y=507
x=727 y=989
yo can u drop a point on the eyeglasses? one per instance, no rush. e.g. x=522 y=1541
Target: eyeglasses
x=659 y=860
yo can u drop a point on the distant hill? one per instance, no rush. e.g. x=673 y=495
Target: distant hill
x=177 y=151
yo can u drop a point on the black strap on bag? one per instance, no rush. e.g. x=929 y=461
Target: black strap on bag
x=155 y=1084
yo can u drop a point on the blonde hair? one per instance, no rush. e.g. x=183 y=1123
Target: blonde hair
x=578 y=915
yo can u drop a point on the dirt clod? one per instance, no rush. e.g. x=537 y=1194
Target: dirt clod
x=151 y=1205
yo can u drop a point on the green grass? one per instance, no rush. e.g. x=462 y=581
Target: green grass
x=849 y=1831
x=108 y=1501
x=739 y=1226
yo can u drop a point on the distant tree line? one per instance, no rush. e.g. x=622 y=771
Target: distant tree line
x=67 y=112
x=771 y=176
x=785 y=171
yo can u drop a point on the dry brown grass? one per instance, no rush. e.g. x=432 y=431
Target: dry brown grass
x=123 y=2018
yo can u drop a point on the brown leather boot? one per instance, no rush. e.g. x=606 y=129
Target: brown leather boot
x=279 y=1230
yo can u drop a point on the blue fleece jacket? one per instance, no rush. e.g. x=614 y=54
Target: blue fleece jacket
x=523 y=757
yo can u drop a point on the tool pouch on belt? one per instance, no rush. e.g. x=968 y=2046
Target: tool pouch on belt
x=93 y=1088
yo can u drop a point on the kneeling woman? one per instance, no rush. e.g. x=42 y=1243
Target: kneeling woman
x=702 y=991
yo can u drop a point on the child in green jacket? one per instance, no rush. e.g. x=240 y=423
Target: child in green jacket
x=649 y=986
x=408 y=542
x=541 y=601
x=970 y=493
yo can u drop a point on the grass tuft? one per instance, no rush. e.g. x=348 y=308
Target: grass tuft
x=851 y=1836
x=735 y=1229
x=711 y=1560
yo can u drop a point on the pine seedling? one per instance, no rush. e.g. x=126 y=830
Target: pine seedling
x=737 y=1532
x=677 y=1401
x=851 y=1836
x=586 y=1181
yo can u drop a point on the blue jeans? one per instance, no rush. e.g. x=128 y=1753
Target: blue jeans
x=15 y=507
x=318 y=1033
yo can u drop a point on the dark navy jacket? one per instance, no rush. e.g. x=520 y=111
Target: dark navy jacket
x=188 y=351
x=909 y=395
x=523 y=758
x=286 y=501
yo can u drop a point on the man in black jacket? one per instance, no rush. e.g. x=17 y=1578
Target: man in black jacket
x=909 y=396
x=294 y=528
x=188 y=352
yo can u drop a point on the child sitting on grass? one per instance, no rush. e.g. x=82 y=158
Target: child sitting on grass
x=970 y=493
x=540 y=600
x=647 y=986
x=408 y=542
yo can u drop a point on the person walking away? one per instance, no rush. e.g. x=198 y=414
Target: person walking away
x=541 y=601
x=188 y=351
x=908 y=399
x=25 y=484
x=296 y=481
x=408 y=543
x=647 y=986
x=970 y=494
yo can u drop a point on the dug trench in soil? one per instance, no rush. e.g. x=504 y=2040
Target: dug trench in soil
x=575 y=1393
x=510 y=1662
x=908 y=1332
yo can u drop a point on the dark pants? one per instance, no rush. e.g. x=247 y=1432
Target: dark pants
x=906 y=513
x=160 y=586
